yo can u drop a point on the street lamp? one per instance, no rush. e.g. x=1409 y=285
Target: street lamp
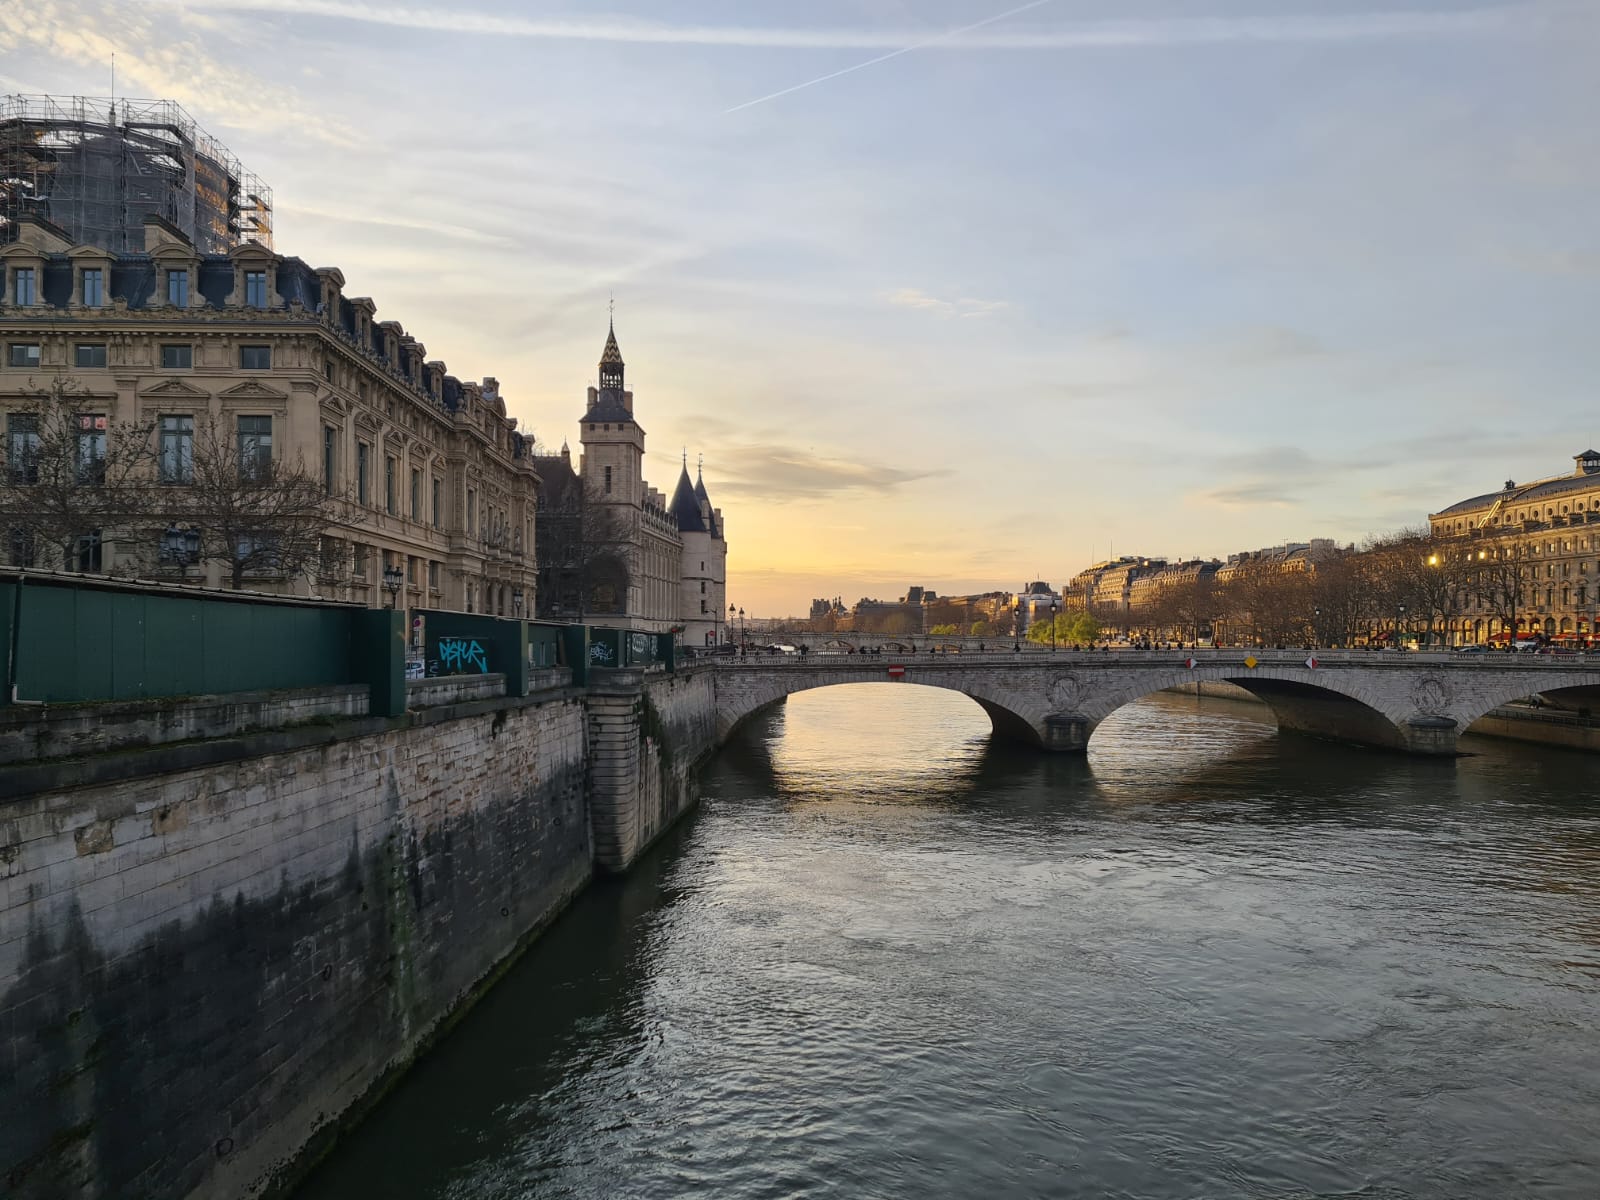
x=393 y=577
x=180 y=546
x=743 y=636
x=516 y=601
x=1399 y=637
x=1316 y=626
x=1053 y=607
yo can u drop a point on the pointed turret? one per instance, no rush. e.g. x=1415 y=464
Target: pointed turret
x=707 y=513
x=611 y=364
x=685 y=506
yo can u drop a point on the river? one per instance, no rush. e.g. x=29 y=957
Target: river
x=889 y=958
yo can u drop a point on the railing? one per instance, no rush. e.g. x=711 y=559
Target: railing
x=1035 y=657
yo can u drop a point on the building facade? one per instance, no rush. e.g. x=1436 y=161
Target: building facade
x=429 y=477
x=1525 y=560
x=616 y=551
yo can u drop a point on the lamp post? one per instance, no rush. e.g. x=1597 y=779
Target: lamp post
x=516 y=602
x=731 y=611
x=1399 y=635
x=743 y=636
x=393 y=577
x=1053 y=607
x=1316 y=626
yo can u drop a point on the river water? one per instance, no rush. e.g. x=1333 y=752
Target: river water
x=888 y=958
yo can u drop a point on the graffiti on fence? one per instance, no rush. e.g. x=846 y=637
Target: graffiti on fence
x=463 y=656
x=601 y=654
x=641 y=648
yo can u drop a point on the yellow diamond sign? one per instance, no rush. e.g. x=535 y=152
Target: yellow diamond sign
x=1250 y=661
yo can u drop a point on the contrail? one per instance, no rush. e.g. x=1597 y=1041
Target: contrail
x=872 y=62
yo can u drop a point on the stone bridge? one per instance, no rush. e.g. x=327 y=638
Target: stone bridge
x=1418 y=703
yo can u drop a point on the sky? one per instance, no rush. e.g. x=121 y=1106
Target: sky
x=959 y=293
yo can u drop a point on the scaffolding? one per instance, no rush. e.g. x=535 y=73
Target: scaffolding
x=97 y=167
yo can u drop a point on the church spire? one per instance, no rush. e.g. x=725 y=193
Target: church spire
x=611 y=366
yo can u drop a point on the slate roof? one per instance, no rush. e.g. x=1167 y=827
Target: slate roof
x=1562 y=486
x=608 y=406
x=685 y=506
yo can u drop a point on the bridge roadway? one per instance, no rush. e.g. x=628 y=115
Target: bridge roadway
x=1415 y=702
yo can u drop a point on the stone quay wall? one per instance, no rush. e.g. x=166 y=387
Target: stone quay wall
x=648 y=736
x=214 y=954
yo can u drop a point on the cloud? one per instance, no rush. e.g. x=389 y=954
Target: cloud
x=1269 y=493
x=157 y=63
x=1077 y=35
x=961 y=306
x=782 y=472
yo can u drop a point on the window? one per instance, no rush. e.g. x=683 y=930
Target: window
x=94 y=286
x=702 y=606
x=330 y=459
x=89 y=354
x=91 y=452
x=85 y=554
x=416 y=494
x=176 y=461
x=255 y=289
x=608 y=481
x=255 y=358
x=388 y=484
x=26 y=291
x=22 y=548
x=438 y=502
x=178 y=288
x=24 y=354
x=472 y=510
x=359 y=561
x=411 y=570
x=327 y=370
x=433 y=577
x=177 y=358
x=363 y=472
x=255 y=447
x=22 y=449
x=702 y=587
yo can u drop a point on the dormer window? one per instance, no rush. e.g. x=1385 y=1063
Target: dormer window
x=25 y=286
x=94 y=286
x=178 y=288
x=255 y=289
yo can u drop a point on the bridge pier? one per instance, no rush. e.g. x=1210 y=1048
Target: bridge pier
x=1066 y=733
x=1430 y=735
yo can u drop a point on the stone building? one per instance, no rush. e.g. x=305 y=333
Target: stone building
x=1527 y=557
x=434 y=479
x=616 y=551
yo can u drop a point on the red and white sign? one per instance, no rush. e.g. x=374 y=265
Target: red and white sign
x=1312 y=663
x=897 y=672
x=1189 y=662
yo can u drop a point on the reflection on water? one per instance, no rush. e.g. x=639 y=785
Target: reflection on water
x=892 y=958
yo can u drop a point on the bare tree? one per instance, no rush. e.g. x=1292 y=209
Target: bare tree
x=243 y=507
x=72 y=477
x=1503 y=583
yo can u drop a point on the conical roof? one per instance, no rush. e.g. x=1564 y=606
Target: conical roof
x=705 y=503
x=685 y=506
x=612 y=353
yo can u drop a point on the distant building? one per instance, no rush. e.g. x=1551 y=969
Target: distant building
x=615 y=550
x=1542 y=541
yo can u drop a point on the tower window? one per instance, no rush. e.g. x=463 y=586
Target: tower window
x=608 y=481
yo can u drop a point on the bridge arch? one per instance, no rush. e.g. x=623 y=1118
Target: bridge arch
x=744 y=691
x=1343 y=705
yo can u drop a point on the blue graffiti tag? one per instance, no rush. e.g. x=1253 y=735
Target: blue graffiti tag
x=600 y=652
x=459 y=654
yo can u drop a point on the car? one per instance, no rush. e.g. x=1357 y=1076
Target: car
x=1472 y=649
